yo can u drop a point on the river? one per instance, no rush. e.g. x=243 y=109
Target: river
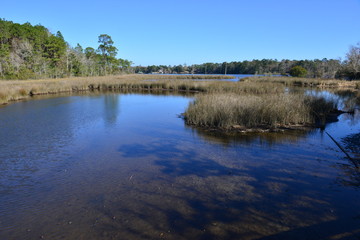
x=125 y=166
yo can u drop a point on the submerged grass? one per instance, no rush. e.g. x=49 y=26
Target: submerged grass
x=232 y=111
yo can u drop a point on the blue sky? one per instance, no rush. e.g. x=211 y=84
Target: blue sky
x=172 y=32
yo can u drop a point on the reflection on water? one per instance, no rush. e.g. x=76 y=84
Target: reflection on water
x=124 y=166
x=111 y=111
x=347 y=100
x=352 y=143
x=350 y=176
x=265 y=138
x=350 y=98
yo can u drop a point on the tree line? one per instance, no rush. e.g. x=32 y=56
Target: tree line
x=324 y=68
x=28 y=51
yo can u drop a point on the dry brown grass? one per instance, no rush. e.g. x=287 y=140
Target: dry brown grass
x=358 y=85
x=19 y=89
x=249 y=104
x=306 y=82
x=231 y=111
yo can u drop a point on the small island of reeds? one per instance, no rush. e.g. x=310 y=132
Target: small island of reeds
x=266 y=104
x=265 y=112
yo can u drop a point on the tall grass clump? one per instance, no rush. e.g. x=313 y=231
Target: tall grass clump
x=227 y=111
x=3 y=98
x=358 y=85
x=320 y=107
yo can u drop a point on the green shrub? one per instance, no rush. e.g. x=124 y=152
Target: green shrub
x=298 y=71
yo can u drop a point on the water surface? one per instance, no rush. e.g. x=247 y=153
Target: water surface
x=124 y=166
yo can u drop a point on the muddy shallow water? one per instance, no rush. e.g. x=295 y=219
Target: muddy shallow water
x=124 y=166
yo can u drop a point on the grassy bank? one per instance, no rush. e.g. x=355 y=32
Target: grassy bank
x=241 y=112
x=305 y=82
x=259 y=103
x=22 y=89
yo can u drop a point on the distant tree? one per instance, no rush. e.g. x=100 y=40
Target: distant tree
x=59 y=35
x=76 y=61
x=178 y=69
x=125 y=64
x=331 y=68
x=92 y=60
x=353 y=62
x=107 y=50
x=55 y=47
x=298 y=71
x=152 y=69
x=90 y=53
x=79 y=48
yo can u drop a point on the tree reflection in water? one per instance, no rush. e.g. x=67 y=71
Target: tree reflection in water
x=351 y=173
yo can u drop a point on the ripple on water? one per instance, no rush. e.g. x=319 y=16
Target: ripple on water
x=119 y=166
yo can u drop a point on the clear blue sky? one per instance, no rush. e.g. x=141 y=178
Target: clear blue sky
x=172 y=32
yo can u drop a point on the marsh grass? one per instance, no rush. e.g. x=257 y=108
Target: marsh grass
x=305 y=82
x=20 y=89
x=357 y=86
x=192 y=86
x=232 y=111
x=12 y=90
x=225 y=105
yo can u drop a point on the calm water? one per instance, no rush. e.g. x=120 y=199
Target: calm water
x=124 y=166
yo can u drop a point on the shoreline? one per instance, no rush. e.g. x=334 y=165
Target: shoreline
x=227 y=96
x=15 y=90
x=243 y=130
x=266 y=129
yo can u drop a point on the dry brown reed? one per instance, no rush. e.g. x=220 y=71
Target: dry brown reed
x=20 y=89
x=249 y=104
x=233 y=111
x=305 y=82
x=357 y=85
